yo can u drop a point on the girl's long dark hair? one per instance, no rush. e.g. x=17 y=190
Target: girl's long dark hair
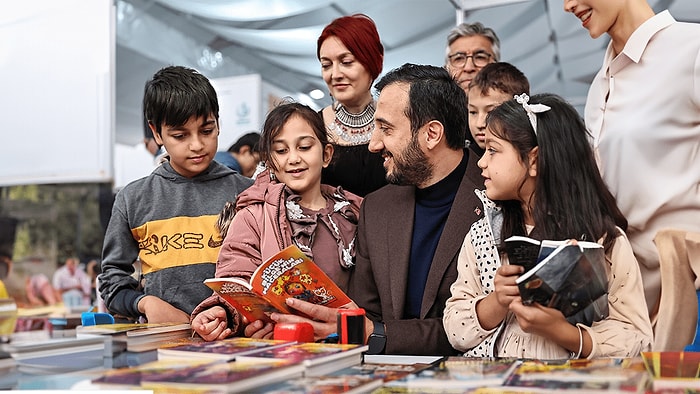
x=571 y=199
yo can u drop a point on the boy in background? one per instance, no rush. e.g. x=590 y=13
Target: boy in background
x=167 y=219
x=494 y=84
x=243 y=156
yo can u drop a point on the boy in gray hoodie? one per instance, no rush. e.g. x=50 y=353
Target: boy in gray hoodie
x=167 y=219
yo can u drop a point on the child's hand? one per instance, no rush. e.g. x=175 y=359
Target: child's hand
x=159 y=311
x=211 y=324
x=259 y=329
x=504 y=284
x=537 y=319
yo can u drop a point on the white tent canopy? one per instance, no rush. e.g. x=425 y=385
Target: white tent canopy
x=277 y=39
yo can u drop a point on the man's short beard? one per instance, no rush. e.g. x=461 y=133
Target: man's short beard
x=411 y=166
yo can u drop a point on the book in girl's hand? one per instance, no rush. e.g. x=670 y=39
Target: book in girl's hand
x=573 y=279
x=289 y=273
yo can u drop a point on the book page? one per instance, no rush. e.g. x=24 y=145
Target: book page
x=239 y=295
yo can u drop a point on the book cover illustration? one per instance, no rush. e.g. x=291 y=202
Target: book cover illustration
x=318 y=358
x=602 y=374
x=328 y=384
x=673 y=370
x=456 y=374
x=522 y=251
x=298 y=352
x=222 y=376
x=240 y=296
x=132 y=376
x=225 y=349
x=385 y=372
x=573 y=279
x=289 y=273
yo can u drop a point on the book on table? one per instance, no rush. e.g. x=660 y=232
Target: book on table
x=224 y=349
x=457 y=374
x=198 y=375
x=289 y=273
x=571 y=276
x=672 y=370
x=136 y=337
x=326 y=384
x=57 y=355
x=582 y=375
x=317 y=358
x=220 y=377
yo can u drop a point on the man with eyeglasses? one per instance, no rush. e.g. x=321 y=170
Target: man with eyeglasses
x=470 y=46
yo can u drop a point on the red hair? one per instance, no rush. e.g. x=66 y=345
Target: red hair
x=359 y=34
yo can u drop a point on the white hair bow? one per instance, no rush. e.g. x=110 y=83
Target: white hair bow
x=531 y=109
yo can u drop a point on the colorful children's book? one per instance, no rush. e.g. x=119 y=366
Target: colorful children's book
x=222 y=377
x=673 y=370
x=289 y=273
x=225 y=349
x=573 y=279
x=601 y=374
x=457 y=374
x=132 y=376
x=383 y=371
x=327 y=384
x=318 y=358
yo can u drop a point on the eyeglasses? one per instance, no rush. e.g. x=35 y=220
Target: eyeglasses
x=459 y=59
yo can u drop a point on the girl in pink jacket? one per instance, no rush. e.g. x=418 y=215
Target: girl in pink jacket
x=286 y=204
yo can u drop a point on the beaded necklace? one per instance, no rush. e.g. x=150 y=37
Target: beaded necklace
x=355 y=129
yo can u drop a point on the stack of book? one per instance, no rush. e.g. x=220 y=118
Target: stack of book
x=456 y=375
x=136 y=337
x=222 y=350
x=57 y=355
x=233 y=365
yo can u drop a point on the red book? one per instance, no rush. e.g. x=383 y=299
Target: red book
x=289 y=273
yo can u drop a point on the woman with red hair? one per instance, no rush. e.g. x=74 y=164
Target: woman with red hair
x=351 y=57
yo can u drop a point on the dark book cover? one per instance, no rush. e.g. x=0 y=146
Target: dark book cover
x=572 y=279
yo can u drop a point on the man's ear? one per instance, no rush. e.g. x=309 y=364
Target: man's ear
x=245 y=149
x=434 y=133
x=156 y=136
x=532 y=161
x=327 y=155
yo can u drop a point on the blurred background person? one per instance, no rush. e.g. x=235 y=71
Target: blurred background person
x=73 y=283
x=351 y=56
x=243 y=156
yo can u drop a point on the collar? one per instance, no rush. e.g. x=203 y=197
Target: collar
x=639 y=40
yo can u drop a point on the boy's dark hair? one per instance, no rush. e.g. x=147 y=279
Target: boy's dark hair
x=278 y=117
x=250 y=139
x=177 y=93
x=433 y=95
x=571 y=199
x=502 y=76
